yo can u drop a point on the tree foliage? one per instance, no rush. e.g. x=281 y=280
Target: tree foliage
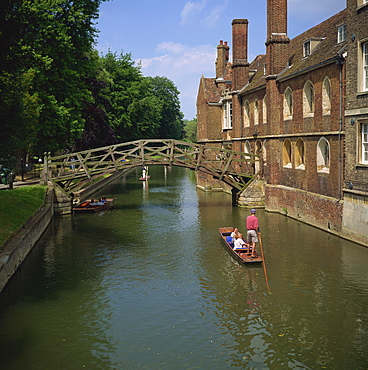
x=58 y=94
x=190 y=129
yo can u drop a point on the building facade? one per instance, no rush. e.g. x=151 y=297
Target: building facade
x=355 y=191
x=291 y=106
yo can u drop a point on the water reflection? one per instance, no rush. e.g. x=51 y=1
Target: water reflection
x=148 y=285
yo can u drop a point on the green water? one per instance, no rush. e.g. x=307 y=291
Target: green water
x=148 y=285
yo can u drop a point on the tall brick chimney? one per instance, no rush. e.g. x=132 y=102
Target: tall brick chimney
x=277 y=44
x=240 y=53
x=277 y=54
x=222 y=59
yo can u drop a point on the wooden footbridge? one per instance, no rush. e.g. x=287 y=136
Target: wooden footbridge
x=74 y=171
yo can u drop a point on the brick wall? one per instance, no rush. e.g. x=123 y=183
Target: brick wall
x=322 y=212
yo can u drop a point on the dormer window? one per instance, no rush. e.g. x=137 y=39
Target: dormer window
x=306 y=49
x=310 y=45
x=341 y=34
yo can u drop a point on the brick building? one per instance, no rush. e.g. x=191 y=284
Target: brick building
x=355 y=191
x=289 y=107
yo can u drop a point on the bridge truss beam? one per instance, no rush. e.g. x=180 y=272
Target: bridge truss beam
x=74 y=171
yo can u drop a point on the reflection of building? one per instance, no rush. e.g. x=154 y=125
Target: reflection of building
x=288 y=106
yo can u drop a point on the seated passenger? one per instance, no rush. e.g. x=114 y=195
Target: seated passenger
x=96 y=203
x=235 y=231
x=239 y=242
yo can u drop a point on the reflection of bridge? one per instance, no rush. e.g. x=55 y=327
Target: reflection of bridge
x=74 y=171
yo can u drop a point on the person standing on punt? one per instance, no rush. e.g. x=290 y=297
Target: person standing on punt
x=252 y=230
x=144 y=172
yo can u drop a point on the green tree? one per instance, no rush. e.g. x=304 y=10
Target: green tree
x=171 y=123
x=134 y=111
x=190 y=129
x=44 y=69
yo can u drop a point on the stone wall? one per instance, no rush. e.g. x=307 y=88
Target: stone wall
x=17 y=247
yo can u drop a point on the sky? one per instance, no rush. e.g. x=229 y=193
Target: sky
x=178 y=38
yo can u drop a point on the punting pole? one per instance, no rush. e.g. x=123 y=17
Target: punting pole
x=264 y=262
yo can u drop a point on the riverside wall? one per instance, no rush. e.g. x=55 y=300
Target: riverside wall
x=16 y=247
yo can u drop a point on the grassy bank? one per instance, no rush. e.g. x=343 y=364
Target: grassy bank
x=17 y=205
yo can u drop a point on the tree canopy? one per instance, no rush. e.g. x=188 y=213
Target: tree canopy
x=59 y=94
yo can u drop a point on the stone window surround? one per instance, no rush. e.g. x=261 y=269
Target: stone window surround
x=360 y=141
x=362 y=67
x=323 y=156
x=308 y=99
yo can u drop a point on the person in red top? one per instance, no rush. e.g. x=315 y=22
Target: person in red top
x=252 y=230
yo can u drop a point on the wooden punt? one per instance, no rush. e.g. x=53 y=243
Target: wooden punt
x=144 y=178
x=239 y=255
x=86 y=206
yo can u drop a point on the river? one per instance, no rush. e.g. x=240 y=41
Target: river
x=148 y=285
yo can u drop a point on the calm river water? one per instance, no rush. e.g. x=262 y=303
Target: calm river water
x=148 y=285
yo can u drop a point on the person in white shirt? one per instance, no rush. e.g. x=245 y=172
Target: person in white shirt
x=235 y=232
x=239 y=242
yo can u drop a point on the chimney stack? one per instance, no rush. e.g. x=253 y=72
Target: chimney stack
x=240 y=53
x=222 y=59
x=277 y=44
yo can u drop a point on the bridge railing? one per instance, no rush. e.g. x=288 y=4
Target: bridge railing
x=73 y=171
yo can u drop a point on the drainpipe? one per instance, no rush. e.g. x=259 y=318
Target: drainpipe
x=340 y=63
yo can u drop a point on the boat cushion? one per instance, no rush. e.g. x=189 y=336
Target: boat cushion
x=229 y=239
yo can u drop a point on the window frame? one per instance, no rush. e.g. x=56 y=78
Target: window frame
x=299 y=154
x=307 y=48
x=286 y=154
x=246 y=118
x=308 y=99
x=288 y=103
x=227 y=123
x=364 y=143
x=323 y=155
x=264 y=110
x=364 y=61
x=341 y=33
x=326 y=97
x=256 y=112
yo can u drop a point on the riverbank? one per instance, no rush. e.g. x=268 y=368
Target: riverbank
x=20 y=242
x=26 y=227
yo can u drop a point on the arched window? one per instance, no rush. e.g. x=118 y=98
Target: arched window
x=286 y=154
x=308 y=99
x=264 y=108
x=323 y=156
x=247 y=147
x=256 y=112
x=264 y=153
x=227 y=115
x=246 y=113
x=326 y=96
x=288 y=103
x=258 y=149
x=299 y=155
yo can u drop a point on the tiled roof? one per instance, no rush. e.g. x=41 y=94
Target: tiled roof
x=211 y=90
x=258 y=78
x=327 y=49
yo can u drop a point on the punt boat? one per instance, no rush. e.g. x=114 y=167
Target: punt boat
x=239 y=255
x=87 y=206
